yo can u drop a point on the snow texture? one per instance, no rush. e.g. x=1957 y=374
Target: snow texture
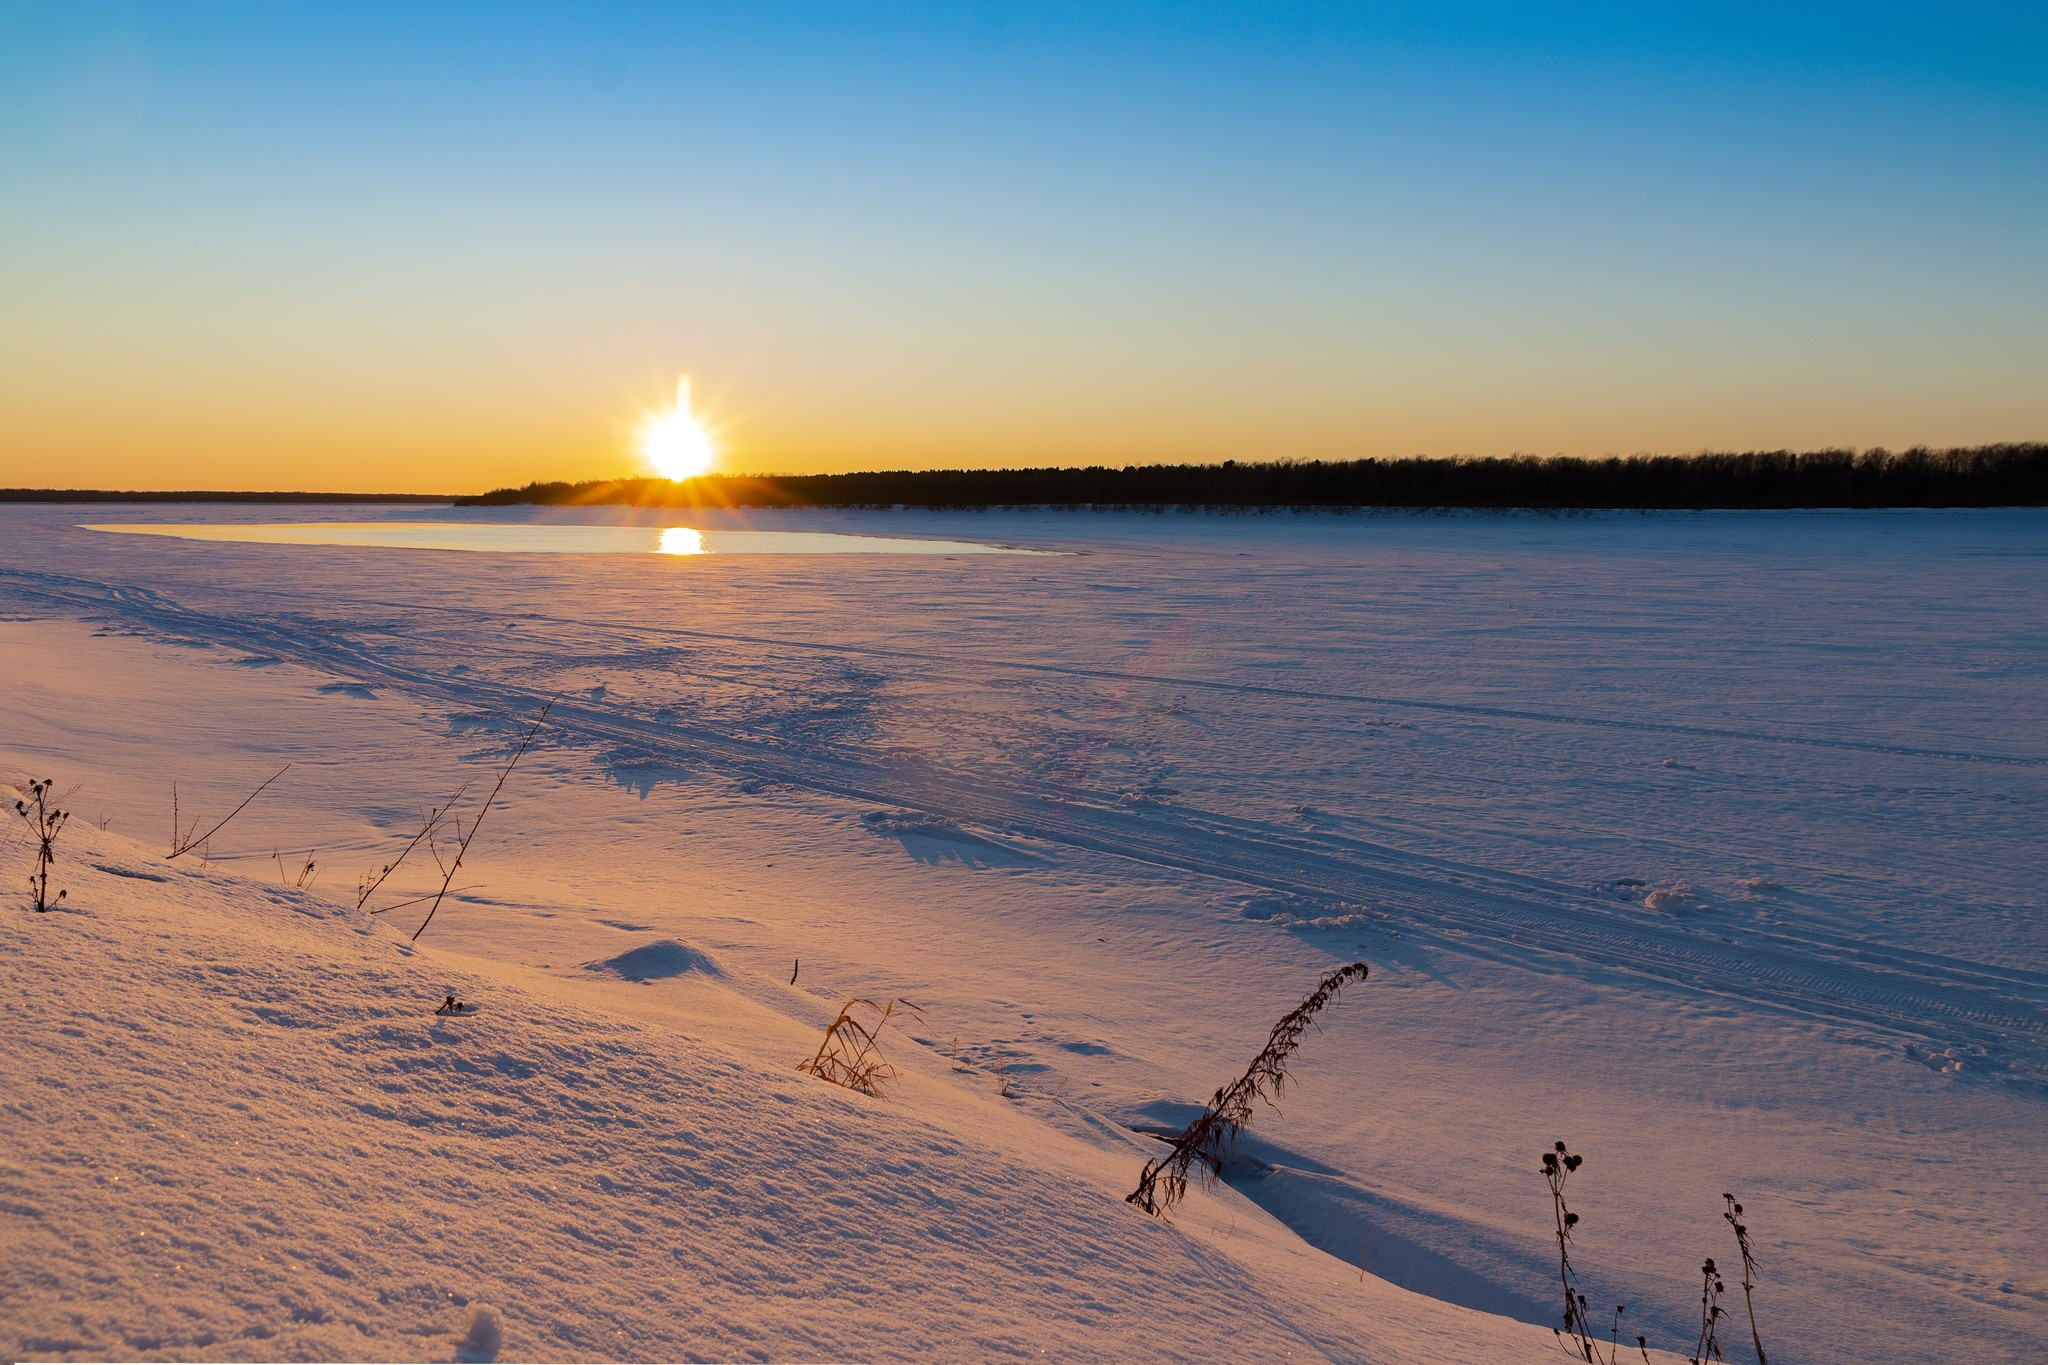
x=1708 y=843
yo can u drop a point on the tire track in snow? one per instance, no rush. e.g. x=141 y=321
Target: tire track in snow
x=1941 y=1001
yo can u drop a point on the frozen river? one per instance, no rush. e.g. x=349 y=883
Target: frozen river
x=1710 y=841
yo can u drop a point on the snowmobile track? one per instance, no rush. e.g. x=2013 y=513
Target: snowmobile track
x=1897 y=993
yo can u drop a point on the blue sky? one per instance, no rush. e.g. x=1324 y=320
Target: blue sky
x=452 y=246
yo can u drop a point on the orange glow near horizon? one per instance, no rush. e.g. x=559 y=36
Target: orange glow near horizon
x=222 y=416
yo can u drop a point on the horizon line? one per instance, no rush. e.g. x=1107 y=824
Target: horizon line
x=56 y=495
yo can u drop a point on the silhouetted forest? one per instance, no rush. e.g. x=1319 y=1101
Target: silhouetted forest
x=110 y=495
x=1978 y=476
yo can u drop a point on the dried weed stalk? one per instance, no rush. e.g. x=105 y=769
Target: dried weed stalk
x=454 y=865
x=1708 y=1347
x=1577 y=1336
x=849 y=1054
x=39 y=812
x=1734 y=1217
x=184 y=840
x=1207 y=1140
x=306 y=875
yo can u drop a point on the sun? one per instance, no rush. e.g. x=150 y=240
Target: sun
x=674 y=442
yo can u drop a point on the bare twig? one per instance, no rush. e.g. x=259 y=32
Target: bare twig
x=430 y=825
x=422 y=900
x=185 y=843
x=1206 y=1141
x=462 y=849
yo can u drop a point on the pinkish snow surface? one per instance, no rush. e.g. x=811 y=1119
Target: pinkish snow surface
x=1706 y=843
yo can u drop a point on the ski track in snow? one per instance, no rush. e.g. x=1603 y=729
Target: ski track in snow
x=1892 y=993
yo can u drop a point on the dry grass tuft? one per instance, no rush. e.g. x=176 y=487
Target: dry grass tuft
x=849 y=1054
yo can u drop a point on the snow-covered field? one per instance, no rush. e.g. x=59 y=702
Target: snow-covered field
x=1709 y=844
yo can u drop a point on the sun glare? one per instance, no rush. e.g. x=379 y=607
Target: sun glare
x=674 y=443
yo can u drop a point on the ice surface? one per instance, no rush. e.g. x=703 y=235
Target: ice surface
x=1706 y=842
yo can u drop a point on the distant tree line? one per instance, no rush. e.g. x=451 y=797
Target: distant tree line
x=2011 y=475
x=112 y=495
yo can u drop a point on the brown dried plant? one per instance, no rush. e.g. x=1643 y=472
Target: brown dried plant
x=849 y=1054
x=1204 y=1143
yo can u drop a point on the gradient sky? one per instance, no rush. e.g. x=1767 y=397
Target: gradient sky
x=428 y=247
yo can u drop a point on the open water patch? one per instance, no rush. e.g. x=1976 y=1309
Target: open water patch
x=512 y=538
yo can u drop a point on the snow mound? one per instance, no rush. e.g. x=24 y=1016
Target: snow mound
x=657 y=961
x=481 y=1336
x=1679 y=896
x=1304 y=914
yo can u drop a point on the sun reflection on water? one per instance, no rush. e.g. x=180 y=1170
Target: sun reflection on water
x=681 y=540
